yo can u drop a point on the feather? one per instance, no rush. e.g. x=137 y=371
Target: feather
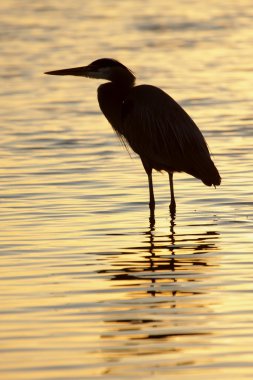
x=162 y=133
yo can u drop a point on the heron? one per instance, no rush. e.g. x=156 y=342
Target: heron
x=152 y=123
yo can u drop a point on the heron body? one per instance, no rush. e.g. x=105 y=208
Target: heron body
x=154 y=125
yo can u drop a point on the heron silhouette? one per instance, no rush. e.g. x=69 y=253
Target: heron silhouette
x=154 y=125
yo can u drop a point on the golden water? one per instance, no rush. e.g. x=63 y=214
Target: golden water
x=88 y=288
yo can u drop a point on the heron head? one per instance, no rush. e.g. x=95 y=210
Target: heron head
x=104 y=68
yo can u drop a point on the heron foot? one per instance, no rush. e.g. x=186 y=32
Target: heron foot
x=152 y=210
x=172 y=208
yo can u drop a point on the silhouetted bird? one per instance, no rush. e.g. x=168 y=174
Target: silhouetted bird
x=152 y=123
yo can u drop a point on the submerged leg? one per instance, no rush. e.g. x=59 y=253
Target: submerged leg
x=172 y=196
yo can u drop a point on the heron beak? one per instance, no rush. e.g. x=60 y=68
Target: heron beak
x=83 y=71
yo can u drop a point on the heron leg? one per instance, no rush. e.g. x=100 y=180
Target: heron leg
x=172 y=196
x=151 y=193
x=148 y=170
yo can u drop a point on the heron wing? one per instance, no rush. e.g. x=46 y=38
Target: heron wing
x=162 y=133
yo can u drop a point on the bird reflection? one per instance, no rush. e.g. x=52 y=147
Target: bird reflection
x=171 y=237
x=163 y=290
x=161 y=256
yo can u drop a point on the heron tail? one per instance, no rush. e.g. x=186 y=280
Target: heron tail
x=206 y=172
x=211 y=176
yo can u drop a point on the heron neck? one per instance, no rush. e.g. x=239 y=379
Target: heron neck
x=110 y=97
x=123 y=80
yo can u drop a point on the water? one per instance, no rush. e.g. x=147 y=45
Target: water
x=88 y=288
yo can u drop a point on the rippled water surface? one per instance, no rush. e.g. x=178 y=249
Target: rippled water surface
x=88 y=288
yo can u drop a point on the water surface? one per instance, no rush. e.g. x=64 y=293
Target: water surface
x=89 y=289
